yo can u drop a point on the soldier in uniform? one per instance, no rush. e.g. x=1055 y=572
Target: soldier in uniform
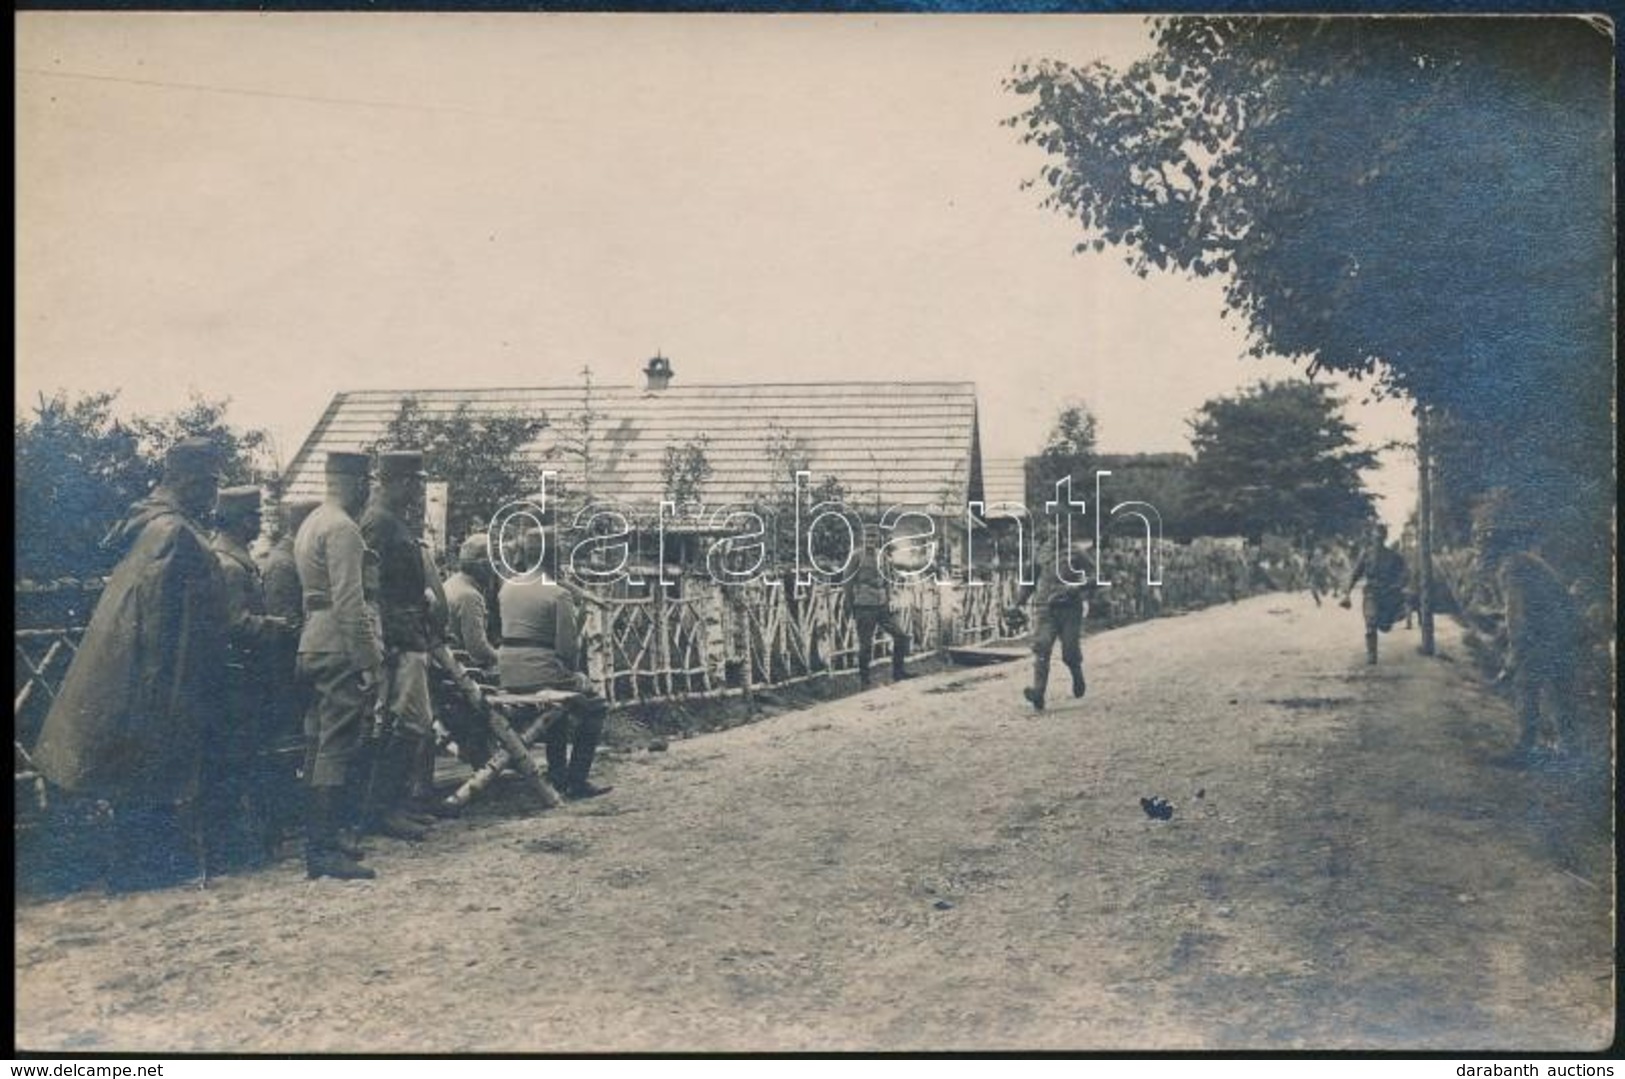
x=540 y=640
x=128 y=724
x=1541 y=624
x=279 y=577
x=285 y=693
x=340 y=658
x=868 y=596
x=1060 y=610
x=466 y=608
x=237 y=789
x=1383 y=600
x=403 y=611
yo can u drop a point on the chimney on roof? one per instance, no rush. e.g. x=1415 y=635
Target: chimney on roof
x=658 y=372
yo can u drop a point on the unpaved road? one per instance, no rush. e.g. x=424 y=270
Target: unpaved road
x=932 y=867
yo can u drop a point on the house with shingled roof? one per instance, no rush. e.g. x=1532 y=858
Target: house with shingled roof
x=912 y=444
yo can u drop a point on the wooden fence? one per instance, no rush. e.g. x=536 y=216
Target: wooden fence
x=716 y=639
x=710 y=640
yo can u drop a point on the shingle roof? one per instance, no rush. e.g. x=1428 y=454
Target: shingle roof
x=1004 y=479
x=888 y=442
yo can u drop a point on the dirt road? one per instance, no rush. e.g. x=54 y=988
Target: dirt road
x=930 y=866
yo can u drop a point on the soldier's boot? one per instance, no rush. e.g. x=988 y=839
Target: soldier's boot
x=1079 y=686
x=1371 y=647
x=323 y=858
x=589 y=727
x=558 y=755
x=1035 y=692
x=899 y=653
x=391 y=776
x=425 y=801
x=864 y=680
x=347 y=823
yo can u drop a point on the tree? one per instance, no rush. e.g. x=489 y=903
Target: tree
x=1278 y=458
x=481 y=457
x=1068 y=450
x=1426 y=201
x=243 y=452
x=79 y=468
x=684 y=471
x=786 y=455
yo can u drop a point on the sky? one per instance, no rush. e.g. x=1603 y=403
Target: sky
x=273 y=208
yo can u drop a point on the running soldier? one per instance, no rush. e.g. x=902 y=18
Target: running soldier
x=1061 y=607
x=1383 y=600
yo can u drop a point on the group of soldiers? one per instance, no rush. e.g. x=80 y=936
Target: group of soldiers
x=200 y=659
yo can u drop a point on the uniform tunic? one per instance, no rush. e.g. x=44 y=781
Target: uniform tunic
x=540 y=636
x=337 y=642
x=251 y=639
x=466 y=618
x=279 y=581
x=403 y=611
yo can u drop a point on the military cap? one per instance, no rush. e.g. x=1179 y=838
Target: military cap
x=193 y=457
x=348 y=463
x=294 y=511
x=401 y=464
x=475 y=550
x=238 y=501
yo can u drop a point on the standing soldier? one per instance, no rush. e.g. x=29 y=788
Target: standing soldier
x=868 y=596
x=403 y=611
x=340 y=658
x=128 y=724
x=279 y=576
x=1383 y=600
x=1541 y=625
x=284 y=692
x=237 y=789
x=1061 y=608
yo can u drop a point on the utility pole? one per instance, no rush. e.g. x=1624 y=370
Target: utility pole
x=1424 y=526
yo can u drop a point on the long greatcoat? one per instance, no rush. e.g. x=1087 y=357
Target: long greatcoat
x=128 y=723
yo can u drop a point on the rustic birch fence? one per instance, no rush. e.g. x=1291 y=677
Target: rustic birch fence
x=713 y=639
x=705 y=639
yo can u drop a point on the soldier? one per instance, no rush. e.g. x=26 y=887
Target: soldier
x=868 y=596
x=403 y=612
x=237 y=790
x=540 y=650
x=1542 y=627
x=466 y=608
x=285 y=693
x=128 y=724
x=466 y=619
x=341 y=659
x=1061 y=609
x=279 y=577
x=1383 y=600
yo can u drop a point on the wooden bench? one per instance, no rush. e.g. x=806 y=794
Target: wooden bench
x=537 y=711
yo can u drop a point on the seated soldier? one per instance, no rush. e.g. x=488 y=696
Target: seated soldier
x=540 y=650
x=465 y=603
